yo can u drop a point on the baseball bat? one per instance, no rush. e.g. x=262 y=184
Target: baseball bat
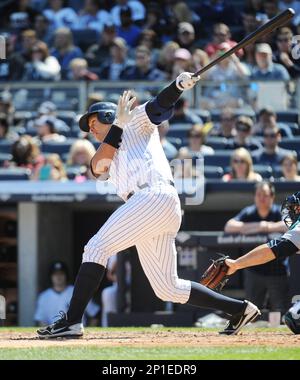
x=274 y=23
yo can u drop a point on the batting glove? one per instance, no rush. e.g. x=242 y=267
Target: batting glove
x=186 y=81
x=124 y=114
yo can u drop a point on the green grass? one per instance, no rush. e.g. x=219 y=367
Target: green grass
x=147 y=353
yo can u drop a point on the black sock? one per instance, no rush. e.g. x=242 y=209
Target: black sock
x=87 y=282
x=202 y=296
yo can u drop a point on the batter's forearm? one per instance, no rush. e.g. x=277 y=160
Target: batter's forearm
x=259 y=255
x=102 y=159
x=169 y=96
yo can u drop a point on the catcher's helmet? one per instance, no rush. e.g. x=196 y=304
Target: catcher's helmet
x=105 y=111
x=292 y=318
x=290 y=209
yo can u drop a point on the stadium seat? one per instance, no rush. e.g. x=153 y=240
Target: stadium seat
x=217 y=143
x=5 y=146
x=213 y=172
x=84 y=38
x=264 y=170
x=55 y=147
x=7 y=174
x=291 y=144
x=176 y=141
x=291 y=116
x=4 y=157
x=220 y=158
x=179 y=130
x=204 y=114
x=69 y=117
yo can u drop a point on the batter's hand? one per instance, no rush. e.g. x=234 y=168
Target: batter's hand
x=186 y=81
x=232 y=266
x=123 y=114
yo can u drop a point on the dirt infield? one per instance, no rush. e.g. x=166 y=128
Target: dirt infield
x=161 y=338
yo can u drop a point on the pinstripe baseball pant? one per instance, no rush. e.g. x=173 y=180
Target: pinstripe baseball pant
x=150 y=220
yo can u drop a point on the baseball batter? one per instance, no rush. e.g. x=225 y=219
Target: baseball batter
x=131 y=156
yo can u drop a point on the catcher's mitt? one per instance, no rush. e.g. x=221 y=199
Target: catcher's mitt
x=215 y=277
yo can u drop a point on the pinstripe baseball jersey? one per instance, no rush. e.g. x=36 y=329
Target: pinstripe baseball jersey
x=140 y=158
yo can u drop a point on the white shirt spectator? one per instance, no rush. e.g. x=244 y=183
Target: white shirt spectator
x=47 y=69
x=50 y=303
x=65 y=17
x=137 y=10
x=87 y=21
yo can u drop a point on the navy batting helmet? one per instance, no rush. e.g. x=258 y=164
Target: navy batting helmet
x=105 y=111
x=291 y=209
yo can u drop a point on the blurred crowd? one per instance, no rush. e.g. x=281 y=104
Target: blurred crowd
x=151 y=41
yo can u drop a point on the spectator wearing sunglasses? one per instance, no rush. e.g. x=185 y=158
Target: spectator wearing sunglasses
x=243 y=138
x=196 y=142
x=283 y=54
x=271 y=154
x=241 y=167
x=226 y=127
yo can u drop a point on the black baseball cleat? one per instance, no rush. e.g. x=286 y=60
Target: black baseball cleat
x=292 y=323
x=237 y=321
x=61 y=329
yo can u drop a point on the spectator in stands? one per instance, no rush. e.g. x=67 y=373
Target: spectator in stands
x=271 y=154
x=294 y=4
x=52 y=170
x=98 y=54
x=184 y=13
x=118 y=61
x=155 y=21
x=81 y=153
x=267 y=118
x=169 y=149
x=42 y=66
x=213 y=11
x=200 y=59
x=182 y=166
x=244 y=137
x=136 y=7
x=241 y=165
x=20 y=58
x=271 y=8
x=226 y=126
x=283 y=54
x=5 y=132
x=221 y=34
x=20 y=14
x=92 y=16
x=196 y=141
x=265 y=69
x=128 y=30
x=79 y=70
x=26 y=154
x=43 y=29
x=182 y=62
x=56 y=299
x=60 y=16
x=64 y=49
x=264 y=217
x=94 y=97
x=149 y=39
x=185 y=35
x=255 y=5
x=46 y=132
x=289 y=167
x=166 y=57
x=7 y=106
x=143 y=69
x=183 y=115
x=48 y=109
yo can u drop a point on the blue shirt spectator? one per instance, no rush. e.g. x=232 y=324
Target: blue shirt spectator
x=136 y=7
x=59 y=16
x=128 y=30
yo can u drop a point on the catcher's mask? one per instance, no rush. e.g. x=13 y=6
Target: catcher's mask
x=105 y=111
x=290 y=209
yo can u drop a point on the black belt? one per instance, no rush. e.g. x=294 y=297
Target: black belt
x=168 y=182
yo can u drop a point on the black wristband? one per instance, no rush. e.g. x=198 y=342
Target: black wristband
x=113 y=136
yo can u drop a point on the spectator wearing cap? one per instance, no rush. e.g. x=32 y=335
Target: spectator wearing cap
x=60 y=16
x=92 y=17
x=265 y=69
x=183 y=115
x=143 y=69
x=271 y=154
x=226 y=126
x=64 y=49
x=243 y=137
x=46 y=132
x=241 y=167
x=43 y=30
x=128 y=30
x=213 y=11
x=283 y=54
x=136 y=7
x=118 y=61
x=185 y=35
x=221 y=34
x=183 y=61
x=196 y=143
x=57 y=298
x=48 y=109
x=168 y=147
x=42 y=65
x=99 y=53
x=79 y=70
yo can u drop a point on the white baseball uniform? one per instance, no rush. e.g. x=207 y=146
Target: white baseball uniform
x=151 y=217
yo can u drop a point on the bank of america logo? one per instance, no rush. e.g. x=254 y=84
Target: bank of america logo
x=2 y=308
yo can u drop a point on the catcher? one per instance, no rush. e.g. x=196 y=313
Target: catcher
x=288 y=244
